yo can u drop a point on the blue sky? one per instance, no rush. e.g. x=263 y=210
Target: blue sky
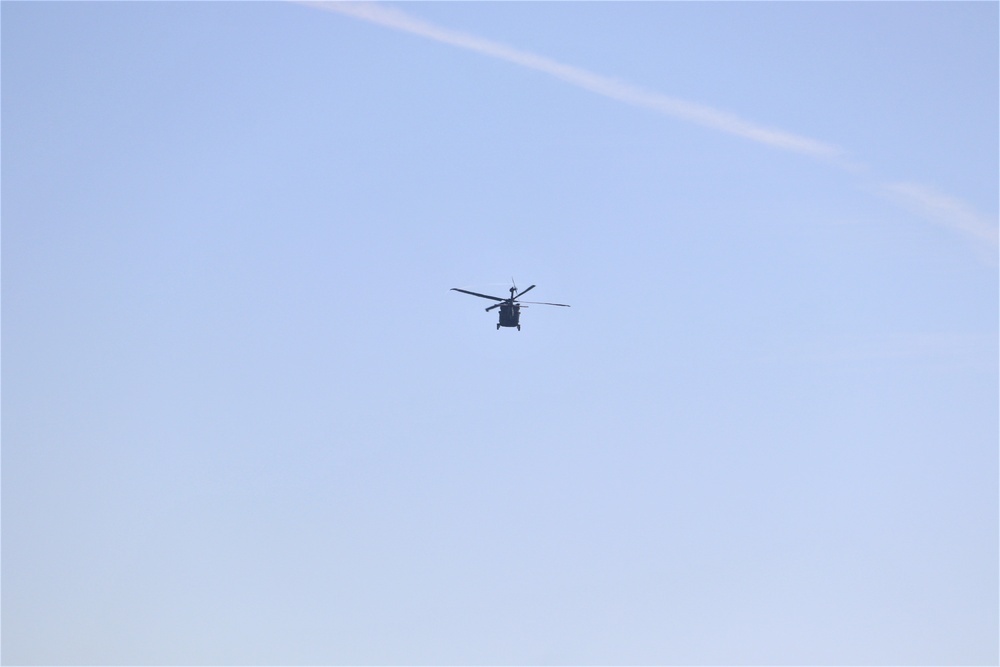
x=245 y=420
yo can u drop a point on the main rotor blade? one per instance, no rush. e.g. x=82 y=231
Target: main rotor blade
x=525 y=291
x=485 y=296
x=546 y=303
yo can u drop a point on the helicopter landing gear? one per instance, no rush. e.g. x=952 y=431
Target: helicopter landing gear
x=518 y=327
x=498 y=327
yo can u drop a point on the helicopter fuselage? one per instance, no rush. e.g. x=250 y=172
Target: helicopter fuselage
x=510 y=316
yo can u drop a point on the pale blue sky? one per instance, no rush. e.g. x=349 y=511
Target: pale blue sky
x=246 y=422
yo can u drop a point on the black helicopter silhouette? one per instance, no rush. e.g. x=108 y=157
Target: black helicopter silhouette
x=510 y=308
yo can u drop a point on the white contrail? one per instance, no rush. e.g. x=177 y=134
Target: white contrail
x=596 y=83
x=942 y=209
x=924 y=201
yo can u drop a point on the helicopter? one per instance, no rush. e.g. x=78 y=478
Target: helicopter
x=510 y=308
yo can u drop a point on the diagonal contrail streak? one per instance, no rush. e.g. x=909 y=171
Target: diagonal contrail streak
x=596 y=83
x=942 y=209
x=925 y=201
